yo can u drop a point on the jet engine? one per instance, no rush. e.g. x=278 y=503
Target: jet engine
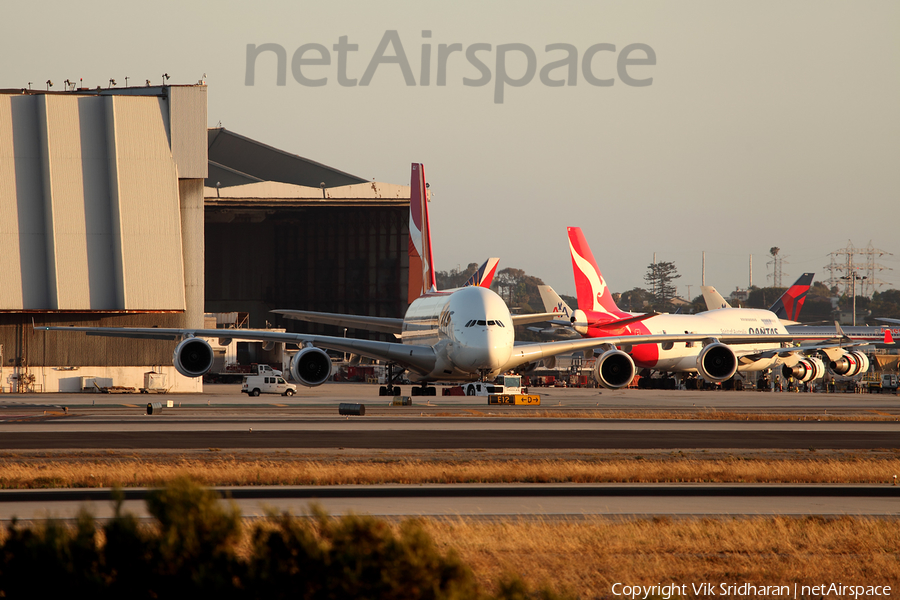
x=806 y=369
x=613 y=369
x=193 y=357
x=850 y=364
x=311 y=366
x=716 y=362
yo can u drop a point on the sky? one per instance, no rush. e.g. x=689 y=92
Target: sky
x=728 y=128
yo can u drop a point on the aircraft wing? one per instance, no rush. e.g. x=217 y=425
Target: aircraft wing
x=535 y=318
x=416 y=357
x=382 y=324
x=526 y=353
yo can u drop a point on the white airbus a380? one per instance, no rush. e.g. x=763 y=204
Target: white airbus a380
x=465 y=334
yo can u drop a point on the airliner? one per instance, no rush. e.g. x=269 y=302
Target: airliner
x=747 y=339
x=465 y=334
x=787 y=309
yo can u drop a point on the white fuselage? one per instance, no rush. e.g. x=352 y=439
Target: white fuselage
x=470 y=330
x=682 y=357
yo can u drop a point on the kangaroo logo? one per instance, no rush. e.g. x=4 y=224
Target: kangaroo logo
x=594 y=278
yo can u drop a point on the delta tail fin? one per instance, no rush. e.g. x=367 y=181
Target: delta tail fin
x=484 y=276
x=590 y=286
x=421 y=265
x=787 y=308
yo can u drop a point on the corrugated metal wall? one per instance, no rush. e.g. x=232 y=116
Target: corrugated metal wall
x=98 y=212
x=90 y=205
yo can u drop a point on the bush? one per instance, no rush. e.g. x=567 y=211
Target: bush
x=190 y=551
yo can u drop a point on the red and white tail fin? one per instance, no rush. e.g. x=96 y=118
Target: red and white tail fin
x=484 y=276
x=421 y=267
x=589 y=283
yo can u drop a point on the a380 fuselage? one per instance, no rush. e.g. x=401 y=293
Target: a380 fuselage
x=470 y=329
x=680 y=357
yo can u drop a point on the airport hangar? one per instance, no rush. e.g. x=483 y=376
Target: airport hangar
x=119 y=207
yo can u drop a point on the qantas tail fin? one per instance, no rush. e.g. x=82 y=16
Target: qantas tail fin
x=589 y=283
x=484 y=276
x=787 y=308
x=421 y=267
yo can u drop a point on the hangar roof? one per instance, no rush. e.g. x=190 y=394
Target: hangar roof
x=274 y=194
x=238 y=160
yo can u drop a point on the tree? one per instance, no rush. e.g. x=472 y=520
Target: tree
x=447 y=280
x=519 y=290
x=634 y=300
x=660 y=276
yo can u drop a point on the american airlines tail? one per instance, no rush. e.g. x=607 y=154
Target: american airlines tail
x=787 y=308
x=421 y=265
x=589 y=283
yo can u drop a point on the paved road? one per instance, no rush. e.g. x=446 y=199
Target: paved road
x=485 y=501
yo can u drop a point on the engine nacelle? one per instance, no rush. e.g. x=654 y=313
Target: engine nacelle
x=579 y=321
x=806 y=369
x=716 y=362
x=311 y=367
x=193 y=357
x=613 y=369
x=850 y=364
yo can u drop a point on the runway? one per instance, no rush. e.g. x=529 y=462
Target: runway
x=492 y=501
x=568 y=420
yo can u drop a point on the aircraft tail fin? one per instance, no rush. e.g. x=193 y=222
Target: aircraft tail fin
x=713 y=298
x=788 y=306
x=553 y=303
x=421 y=266
x=590 y=286
x=484 y=276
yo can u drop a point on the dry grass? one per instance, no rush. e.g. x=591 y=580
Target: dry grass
x=213 y=469
x=686 y=414
x=587 y=557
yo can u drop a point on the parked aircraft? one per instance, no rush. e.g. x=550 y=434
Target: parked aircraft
x=786 y=308
x=464 y=334
x=743 y=336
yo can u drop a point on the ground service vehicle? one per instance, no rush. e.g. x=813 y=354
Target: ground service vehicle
x=512 y=384
x=254 y=385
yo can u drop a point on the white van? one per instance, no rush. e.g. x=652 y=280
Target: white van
x=254 y=385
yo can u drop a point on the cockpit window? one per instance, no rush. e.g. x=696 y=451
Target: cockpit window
x=473 y=322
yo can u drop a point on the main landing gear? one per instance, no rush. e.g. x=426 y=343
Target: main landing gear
x=423 y=390
x=390 y=389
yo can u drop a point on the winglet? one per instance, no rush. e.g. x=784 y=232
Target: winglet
x=421 y=266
